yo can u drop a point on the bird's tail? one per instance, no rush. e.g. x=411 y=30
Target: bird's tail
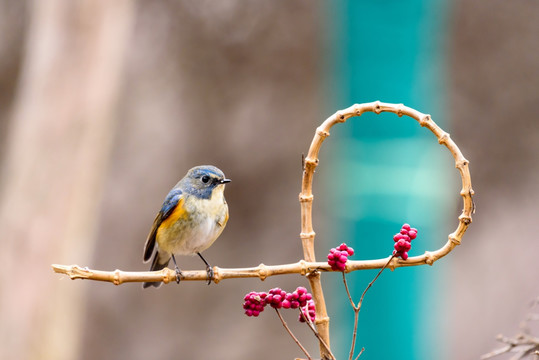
x=156 y=266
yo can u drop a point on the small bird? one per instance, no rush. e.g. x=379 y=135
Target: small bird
x=192 y=217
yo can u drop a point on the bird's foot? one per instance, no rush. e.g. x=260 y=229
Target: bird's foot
x=209 y=270
x=178 y=275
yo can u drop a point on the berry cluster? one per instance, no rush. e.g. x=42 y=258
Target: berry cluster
x=403 y=241
x=308 y=312
x=338 y=257
x=275 y=298
x=296 y=299
x=254 y=303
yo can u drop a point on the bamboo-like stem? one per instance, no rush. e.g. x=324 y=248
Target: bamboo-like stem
x=261 y=271
x=292 y=335
x=306 y=199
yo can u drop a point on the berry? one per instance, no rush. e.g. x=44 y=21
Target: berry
x=344 y=247
x=254 y=303
x=308 y=311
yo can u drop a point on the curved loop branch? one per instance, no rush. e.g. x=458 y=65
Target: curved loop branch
x=310 y=163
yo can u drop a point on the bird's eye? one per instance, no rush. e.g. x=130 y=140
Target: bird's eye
x=205 y=179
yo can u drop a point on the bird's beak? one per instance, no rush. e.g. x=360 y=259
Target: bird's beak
x=224 y=181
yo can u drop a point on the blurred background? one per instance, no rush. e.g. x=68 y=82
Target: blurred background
x=104 y=106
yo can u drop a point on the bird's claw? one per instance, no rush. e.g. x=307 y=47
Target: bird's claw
x=209 y=270
x=178 y=275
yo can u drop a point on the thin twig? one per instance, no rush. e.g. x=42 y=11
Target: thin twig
x=356 y=316
x=292 y=335
x=372 y=282
x=358 y=306
x=309 y=322
x=361 y=352
x=347 y=290
x=354 y=334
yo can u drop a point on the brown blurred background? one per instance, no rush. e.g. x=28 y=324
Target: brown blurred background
x=105 y=105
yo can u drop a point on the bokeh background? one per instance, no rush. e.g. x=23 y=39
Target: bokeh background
x=105 y=105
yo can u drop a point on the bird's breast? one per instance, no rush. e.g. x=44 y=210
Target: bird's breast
x=201 y=223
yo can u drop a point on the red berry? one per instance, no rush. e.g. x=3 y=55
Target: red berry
x=412 y=234
x=406 y=227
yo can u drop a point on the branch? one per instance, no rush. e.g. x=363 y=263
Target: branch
x=310 y=162
x=261 y=271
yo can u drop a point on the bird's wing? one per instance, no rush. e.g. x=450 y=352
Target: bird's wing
x=170 y=203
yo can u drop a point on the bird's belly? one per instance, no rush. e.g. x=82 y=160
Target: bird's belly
x=189 y=236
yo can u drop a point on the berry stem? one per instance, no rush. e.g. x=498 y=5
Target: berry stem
x=311 y=326
x=358 y=306
x=373 y=280
x=361 y=352
x=292 y=335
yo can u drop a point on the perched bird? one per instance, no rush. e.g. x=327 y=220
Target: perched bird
x=192 y=217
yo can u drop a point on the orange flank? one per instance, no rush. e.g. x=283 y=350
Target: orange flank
x=177 y=213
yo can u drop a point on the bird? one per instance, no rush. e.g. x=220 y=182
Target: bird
x=191 y=218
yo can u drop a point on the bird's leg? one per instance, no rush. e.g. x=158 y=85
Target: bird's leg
x=209 y=270
x=178 y=271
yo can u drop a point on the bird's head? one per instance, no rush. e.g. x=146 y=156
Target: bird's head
x=203 y=180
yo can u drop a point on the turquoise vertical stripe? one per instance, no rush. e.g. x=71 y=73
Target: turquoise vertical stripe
x=386 y=170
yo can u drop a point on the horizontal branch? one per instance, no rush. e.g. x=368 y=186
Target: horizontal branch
x=261 y=271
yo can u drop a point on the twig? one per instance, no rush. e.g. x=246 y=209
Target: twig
x=361 y=352
x=357 y=307
x=309 y=322
x=292 y=335
x=372 y=282
x=522 y=344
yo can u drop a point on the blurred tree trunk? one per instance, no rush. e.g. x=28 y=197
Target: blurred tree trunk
x=58 y=142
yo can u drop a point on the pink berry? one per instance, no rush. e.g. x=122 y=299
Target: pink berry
x=412 y=234
x=404 y=231
x=406 y=227
x=404 y=255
